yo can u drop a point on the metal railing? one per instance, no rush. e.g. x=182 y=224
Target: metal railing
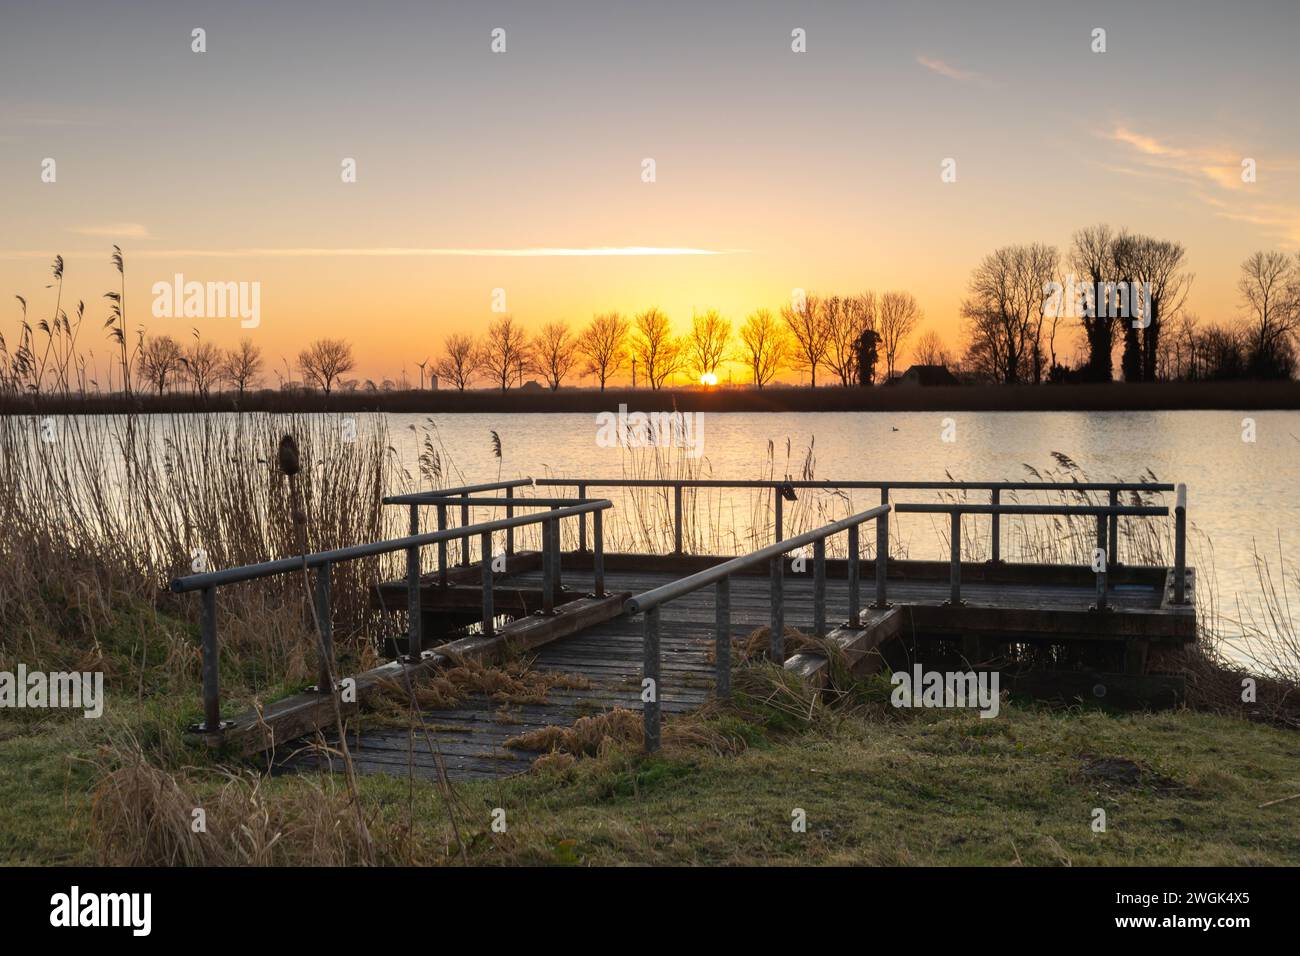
x=1107 y=516
x=462 y=492
x=780 y=488
x=322 y=561
x=719 y=575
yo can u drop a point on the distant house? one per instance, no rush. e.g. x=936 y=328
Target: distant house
x=532 y=385
x=927 y=375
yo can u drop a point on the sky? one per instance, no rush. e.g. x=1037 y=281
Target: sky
x=773 y=169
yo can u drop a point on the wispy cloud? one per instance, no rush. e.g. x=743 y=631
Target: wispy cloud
x=935 y=65
x=306 y=252
x=1218 y=165
x=1212 y=174
x=532 y=252
x=116 y=230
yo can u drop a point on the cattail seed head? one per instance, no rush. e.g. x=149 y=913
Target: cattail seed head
x=289 y=463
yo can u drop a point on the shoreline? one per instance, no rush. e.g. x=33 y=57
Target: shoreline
x=1164 y=396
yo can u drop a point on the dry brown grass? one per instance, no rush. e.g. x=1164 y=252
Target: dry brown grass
x=622 y=730
x=757 y=645
x=511 y=682
x=98 y=520
x=142 y=815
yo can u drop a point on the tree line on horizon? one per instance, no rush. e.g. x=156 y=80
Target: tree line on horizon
x=58 y=365
x=1011 y=335
x=839 y=334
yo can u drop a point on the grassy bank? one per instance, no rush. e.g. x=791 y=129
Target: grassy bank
x=98 y=522
x=1177 y=788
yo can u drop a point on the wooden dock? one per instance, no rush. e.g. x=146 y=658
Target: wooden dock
x=615 y=624
x=1003 y=605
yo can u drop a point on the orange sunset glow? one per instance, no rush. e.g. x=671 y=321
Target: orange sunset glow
x=525 y=171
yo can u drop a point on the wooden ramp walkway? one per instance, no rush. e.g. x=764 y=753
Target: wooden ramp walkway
x=471 y=737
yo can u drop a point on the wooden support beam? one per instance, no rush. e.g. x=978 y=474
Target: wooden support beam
x=857 y=644
x=1053 y=624
x=391 y=595
x=465 y=597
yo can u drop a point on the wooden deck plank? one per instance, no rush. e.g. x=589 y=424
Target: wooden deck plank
x=1000 y=602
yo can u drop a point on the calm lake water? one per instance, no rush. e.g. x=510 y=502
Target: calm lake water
x=1243 y=484
x=1242 y=470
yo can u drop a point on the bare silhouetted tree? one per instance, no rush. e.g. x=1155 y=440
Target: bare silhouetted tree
x=603 y=346
x=1156 y=265
x=202 y=362
x=659 y=352
x=1003 y=313
x=766 y=346
x=324 y=361
x=161 y=361
x=505 y=354
x=930 y=350
x=899 y=315
x=459 y=362
x=1270 y=291
x=242 y=366
x=846 y=319
x=806 y=320
x=1092 y=258
x=555 y=353
x=709 y=342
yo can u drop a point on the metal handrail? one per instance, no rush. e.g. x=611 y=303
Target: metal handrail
x=264 y=569
x=322 y=561
x=510 y=502
x=995 y=489
x=828 y=483
x=719 y=575
x=1103 y=557
x=999 y=509
x=461 y=490
x=675 y=589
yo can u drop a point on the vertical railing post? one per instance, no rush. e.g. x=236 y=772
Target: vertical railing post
x=598 y=552
x=855 y=595
x=1101 y=560
x=1180 y=545
x=1112 y=554
x=548 y=569
x=776 y=644
x=996 y=532
x=582 y=522
x=556 y=573
x=954 y=566
x=413 y=629
x=819 y=587
x=442 y=547
x=882 y=553
x=464 y=523
x=510 y=532
x=211 y=675
x=650 y=672
x=325 y=617
x=778 y=516
x=677 y=519
x=722 y=639
x=489 y=610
